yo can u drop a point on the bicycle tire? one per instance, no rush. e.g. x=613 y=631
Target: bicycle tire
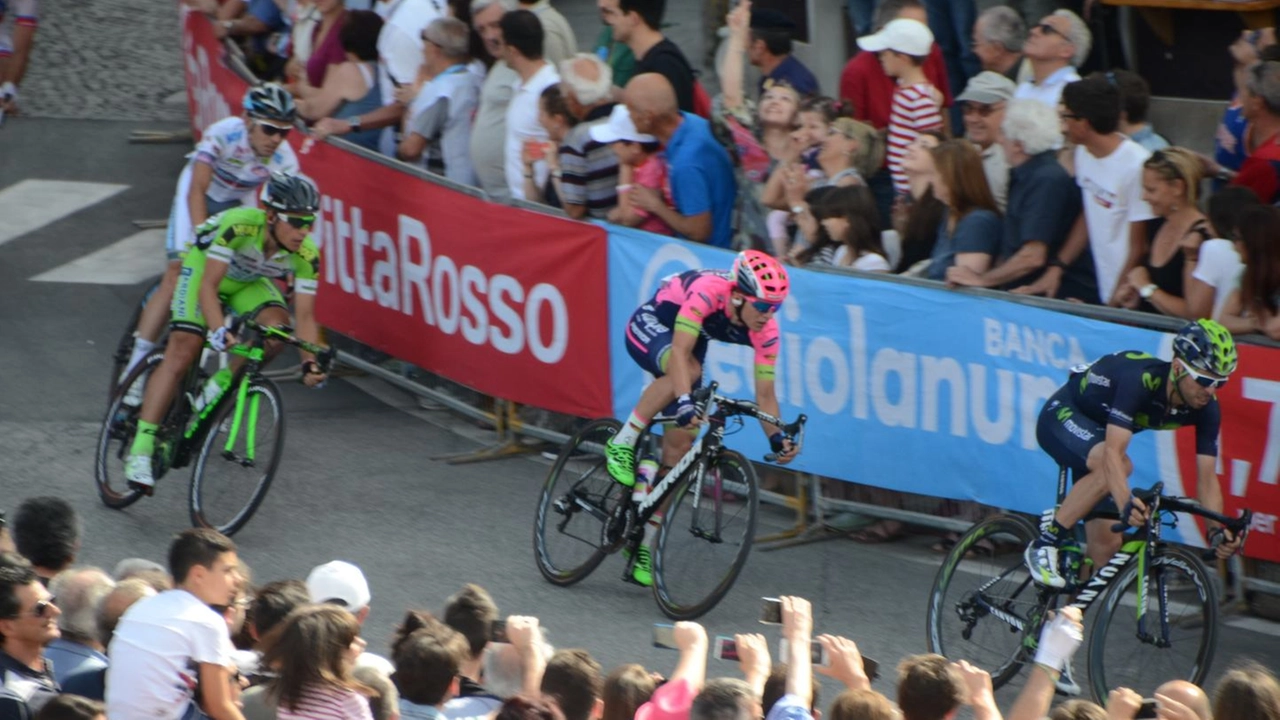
x=124 y=348
x=583 y=452
x=730 y=474
x=119 y=425
x=212 y=458
x=949 y=597
x=1106 y=670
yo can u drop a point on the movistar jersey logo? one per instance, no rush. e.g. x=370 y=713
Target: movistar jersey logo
x=1064 y=413
x=1150 y=381
x=1139 y=356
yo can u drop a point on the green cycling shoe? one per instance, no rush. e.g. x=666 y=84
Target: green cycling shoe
x=620 y=461
x=642 y=571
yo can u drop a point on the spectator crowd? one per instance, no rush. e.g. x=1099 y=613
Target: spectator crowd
x=962 y=147
x=200 y=639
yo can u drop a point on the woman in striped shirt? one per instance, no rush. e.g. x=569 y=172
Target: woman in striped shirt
x=313 y=652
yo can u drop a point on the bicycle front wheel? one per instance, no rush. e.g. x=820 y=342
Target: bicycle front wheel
x=1128 y=646
x=572 y=530
x=116 y=436
x=238 y=459
x=983 y=598
x=706 y=537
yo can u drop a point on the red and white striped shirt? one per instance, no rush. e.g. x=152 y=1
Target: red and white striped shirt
x=327 y=703
x=915 y=109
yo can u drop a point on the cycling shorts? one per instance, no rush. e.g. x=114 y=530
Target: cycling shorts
x=648 y=339
x=181 y=234
x=1067 y=434
x=242 y=299
x=15 y=13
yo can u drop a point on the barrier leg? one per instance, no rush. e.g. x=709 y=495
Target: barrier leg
x=505 y=424
x=804 y=533
x=799 y=503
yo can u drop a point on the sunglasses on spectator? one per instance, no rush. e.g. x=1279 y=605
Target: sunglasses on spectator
x=42 y=608
x=1048 y=29
x=765 y=307
x=1205 y=381
x=301 y=222
x=982 y=109
x=274 y=130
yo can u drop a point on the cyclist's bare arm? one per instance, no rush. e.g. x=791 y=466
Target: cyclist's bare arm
x=308 y=329
x=1209 y=493
x=210 y=304
x=767 y=399
x=197 y=205
x=680 y=365
x=1114 y=474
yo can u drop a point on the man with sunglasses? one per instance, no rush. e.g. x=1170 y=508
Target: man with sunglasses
x=1088 y=423
x=1055 y=48
x=235 y=156
x=236 y=257
x=668 y=338
x=28 y=622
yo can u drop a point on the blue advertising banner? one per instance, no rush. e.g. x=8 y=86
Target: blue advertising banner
x=914 y=389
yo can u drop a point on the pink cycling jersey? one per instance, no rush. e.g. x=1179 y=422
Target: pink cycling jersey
x=703 y=298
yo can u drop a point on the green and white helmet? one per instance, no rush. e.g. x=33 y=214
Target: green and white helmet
x=1206 y=346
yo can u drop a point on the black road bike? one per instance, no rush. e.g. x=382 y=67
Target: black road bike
x=710 y=495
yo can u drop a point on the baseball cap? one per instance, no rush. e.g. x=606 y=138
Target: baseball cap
x=339 y=580
x=619 y=127
x=988 y=88
x=903 y=35
x=672 y=701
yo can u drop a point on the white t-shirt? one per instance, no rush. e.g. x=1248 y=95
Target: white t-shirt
x=1219 y=267
x=1112 y=192
x=870 y=262
x=1048 y=92
x=522 y=125
x=156 y=654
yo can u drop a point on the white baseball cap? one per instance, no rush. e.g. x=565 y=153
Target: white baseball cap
x=339 y=580
x=903 y=35
x=619 y=127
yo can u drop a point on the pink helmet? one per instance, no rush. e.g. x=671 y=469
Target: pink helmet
x=760 y=276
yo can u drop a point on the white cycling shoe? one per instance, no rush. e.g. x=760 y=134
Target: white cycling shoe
x=1042 y=563
x=1066 y=684
x=133 y=396
x=137 y=471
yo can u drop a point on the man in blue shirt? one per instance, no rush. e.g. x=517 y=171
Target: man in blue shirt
x=770 y=51
x=698 y=168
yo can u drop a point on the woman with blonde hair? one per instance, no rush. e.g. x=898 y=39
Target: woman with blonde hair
x=970 y=232
x=1170 y=185
x=313 y=652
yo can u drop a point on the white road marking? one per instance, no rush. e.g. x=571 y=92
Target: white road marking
x=32 y=204
x=126 y=262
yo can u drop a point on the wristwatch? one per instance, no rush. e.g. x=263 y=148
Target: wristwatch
x=354 y=122
x=1146 y=291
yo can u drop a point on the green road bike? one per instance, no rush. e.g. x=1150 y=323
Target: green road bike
x=1157 y=615
x=710 y=496
x=236 y=441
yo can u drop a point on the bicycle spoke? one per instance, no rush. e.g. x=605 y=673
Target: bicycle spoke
x=576 y=507
x=238 y=458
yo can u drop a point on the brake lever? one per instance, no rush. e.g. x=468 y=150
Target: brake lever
x=793 y=432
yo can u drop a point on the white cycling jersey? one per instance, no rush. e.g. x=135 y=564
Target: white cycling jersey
x=14 y=13
x=237 y=174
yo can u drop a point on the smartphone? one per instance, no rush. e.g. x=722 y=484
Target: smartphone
x=1148 y=708
x=498 y=631
x=664 y=636
x=536 y=150
x=817 y=652
x=727 y=648
x=771 y=613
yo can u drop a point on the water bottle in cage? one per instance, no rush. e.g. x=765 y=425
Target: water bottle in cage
x=647 y=456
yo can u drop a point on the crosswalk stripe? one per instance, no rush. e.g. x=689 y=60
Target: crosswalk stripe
x=126 y=262
x=32 y=204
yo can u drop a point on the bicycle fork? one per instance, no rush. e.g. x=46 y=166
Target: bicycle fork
x=237 y=420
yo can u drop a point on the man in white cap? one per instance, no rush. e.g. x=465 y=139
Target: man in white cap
x=902 y=46
x=340 y=583
x=638 y=166
x=983 y=104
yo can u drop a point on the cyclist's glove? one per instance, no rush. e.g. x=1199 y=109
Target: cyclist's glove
x=218 y=339
x=776 y=441
x=685 y=410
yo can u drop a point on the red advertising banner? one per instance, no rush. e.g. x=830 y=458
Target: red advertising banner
x=1249 y=449
x=214 y=91
x=509 y=302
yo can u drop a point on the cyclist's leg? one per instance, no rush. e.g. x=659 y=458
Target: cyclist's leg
x=648 y=341
x=262 y=301
x=153 y=316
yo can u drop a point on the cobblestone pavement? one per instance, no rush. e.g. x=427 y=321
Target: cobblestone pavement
x=106 y=60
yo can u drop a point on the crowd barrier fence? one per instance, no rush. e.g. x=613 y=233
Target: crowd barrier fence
x=908 y=386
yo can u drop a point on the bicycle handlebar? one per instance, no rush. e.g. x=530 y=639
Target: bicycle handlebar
x=729 y=407
x=324 y=355
x=1154 y=496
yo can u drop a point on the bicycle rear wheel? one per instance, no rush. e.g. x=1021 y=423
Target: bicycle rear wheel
x=116 y=437
x=124 y=348
x=981 y=606
x=706 y=537
x=572 y=532
x=1119 y=658
x=238 y=461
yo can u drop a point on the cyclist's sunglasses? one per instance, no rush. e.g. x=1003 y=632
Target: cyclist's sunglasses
x=1205 y=381
x=301 y=222
x=274 y=130
x=765 y=307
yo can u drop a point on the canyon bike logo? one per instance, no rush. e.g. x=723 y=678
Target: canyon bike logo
x=1101 y=579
